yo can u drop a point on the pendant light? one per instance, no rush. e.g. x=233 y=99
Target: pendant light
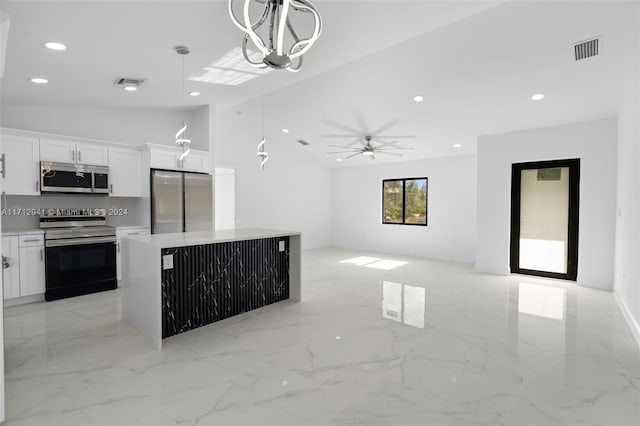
x=181 y=139
x=264 y=155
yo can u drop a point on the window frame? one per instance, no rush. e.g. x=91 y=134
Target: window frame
x=404 y=201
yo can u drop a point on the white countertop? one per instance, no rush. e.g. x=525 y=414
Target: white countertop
x=182 y=239
x=125 y=227
x=16 y=232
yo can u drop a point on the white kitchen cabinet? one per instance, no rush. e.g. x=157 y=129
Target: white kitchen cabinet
x=125 y=172
x=24 y=254
x=65 y=151
x=21 y=165
x=168 y=158
x=57 y=150
x=123 y=233
x=92 y=154
x=197 y=161
x=11 y=273
x=32 y=270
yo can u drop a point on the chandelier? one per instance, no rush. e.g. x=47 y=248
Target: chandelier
x=280 y=51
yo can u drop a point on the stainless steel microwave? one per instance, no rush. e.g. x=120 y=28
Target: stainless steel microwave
x=73 y=178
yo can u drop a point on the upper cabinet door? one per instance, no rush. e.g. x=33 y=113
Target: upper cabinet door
x=197 y=161
x=164 y=158
x=94 y=155
x=125 y=172
x=21 y=165
x=57 y=150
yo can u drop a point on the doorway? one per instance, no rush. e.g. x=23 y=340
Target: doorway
x=544 y=218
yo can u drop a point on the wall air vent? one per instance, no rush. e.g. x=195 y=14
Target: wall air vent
x=128 y=81
x=587 y=48
x=302 y=142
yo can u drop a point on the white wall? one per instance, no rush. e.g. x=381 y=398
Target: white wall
x=292 y=193
x=130 y=126
x=225 y=198
x=451 y=215
x=595 y=144
x=627 y=272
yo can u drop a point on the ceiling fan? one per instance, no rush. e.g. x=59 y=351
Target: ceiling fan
x=367 y=149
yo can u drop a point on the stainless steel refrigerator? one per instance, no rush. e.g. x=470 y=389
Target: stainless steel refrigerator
x=181 y=201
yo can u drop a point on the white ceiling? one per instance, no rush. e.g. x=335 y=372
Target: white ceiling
x=477 y=64
x=110 y=39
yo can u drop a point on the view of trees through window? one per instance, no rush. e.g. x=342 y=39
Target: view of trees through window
x=404 y=201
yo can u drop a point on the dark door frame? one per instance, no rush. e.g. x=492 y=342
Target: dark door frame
x=574 y=209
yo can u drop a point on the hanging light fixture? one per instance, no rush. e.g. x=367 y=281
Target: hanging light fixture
x=264 y=155
x=281 y=51
x=181 y=139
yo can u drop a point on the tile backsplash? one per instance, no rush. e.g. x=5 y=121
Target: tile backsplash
x=20 y=212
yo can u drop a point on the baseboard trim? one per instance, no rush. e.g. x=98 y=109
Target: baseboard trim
x=15 y=301
x=631 y=321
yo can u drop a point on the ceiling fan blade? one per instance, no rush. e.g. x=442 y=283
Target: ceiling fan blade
x=385 y=127
x=344 y=152
x=396 y=137
x=351 y=156
x=389 y=153
x=382 y=143
x=395 y=148
x=343 y=127
x=353 y=135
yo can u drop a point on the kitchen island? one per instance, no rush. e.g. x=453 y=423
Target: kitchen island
x=173 y=283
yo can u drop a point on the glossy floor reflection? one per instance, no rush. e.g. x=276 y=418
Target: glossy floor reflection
x=424 y=343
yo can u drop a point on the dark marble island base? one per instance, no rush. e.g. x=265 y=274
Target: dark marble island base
x=173 y=283
x=209 y=283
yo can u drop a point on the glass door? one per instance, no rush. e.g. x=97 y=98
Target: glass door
x=544 y=223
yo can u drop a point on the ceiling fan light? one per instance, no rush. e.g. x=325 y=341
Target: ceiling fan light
x=368 y=153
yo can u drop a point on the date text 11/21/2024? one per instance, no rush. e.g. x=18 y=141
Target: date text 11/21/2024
x=18 y=211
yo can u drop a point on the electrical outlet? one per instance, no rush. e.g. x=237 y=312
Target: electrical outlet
x=167 y=261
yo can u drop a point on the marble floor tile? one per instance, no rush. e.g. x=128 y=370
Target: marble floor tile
x=373 y=342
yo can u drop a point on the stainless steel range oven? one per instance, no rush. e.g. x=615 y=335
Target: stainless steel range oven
x=80 y=254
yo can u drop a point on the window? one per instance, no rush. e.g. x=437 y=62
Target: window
x=404 y=201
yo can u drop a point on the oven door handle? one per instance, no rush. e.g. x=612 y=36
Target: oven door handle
x=80 y=241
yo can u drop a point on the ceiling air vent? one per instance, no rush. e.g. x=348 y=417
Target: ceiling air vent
x=128 y=81
x=588 y=48
x=302 y=142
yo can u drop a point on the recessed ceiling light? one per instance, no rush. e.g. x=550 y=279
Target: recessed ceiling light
x=130 y=88
x=339 y=160
x=457 y=145
x=537 y=97
x=418 y=98
x=194 y=93
x=38 y=80
x=285 y=130
x=54 y=45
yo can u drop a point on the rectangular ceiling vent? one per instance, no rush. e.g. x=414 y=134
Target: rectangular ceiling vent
x=302 y=142
x=128 y=81
x=587 y=48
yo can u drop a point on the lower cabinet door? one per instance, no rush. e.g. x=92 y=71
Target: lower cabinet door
x=11 y=274
x=31 y=270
